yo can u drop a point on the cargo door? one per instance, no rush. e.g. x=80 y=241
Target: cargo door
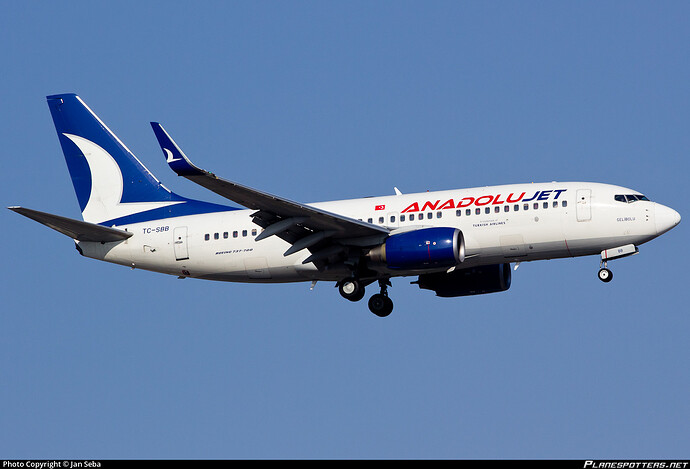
x=257 y=267
x=513 y=246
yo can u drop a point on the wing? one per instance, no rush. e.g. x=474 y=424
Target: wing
x=327 y=235
x=75 y=229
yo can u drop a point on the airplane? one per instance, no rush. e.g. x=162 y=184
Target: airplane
x=455 y=242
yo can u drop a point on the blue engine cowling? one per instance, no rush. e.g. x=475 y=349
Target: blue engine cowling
x=426 y=248
x=472 y=281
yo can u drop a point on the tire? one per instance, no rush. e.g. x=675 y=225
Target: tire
x=351 y=290
x=605 y=275
x=380 y=305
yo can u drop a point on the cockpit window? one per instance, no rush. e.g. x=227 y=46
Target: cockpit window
x=629 y=198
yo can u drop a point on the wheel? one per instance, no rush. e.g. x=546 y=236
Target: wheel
x=605 y=275
x=351 y=290
x=380 y=305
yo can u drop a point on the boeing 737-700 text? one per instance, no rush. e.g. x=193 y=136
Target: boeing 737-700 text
x=457 y=242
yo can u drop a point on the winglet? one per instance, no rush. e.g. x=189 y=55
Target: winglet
x=174 y=156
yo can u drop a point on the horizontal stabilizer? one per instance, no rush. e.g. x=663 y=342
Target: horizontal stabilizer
x=75 y=229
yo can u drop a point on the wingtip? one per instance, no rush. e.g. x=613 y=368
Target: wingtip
x=174 y=156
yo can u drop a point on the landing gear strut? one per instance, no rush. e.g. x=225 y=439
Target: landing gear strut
x=380 y=304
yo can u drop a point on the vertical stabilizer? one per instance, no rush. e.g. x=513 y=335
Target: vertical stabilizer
x=110 y=182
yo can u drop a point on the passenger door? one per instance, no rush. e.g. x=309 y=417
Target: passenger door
x=584 y=205
x=180 y=243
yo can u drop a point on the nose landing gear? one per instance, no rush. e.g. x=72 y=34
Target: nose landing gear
x=605 y=275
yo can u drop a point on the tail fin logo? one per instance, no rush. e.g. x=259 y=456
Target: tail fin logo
x=105 y=200
x=169 y=156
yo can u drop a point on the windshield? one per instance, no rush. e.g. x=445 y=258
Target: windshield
x=629 y=198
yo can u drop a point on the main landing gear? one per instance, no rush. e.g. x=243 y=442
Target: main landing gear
x=352 y=290
x=379 y=303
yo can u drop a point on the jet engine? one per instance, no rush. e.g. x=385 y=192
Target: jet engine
x=464 y=282
x=426 y=248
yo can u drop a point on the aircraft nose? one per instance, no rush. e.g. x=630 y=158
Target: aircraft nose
x=665 y=218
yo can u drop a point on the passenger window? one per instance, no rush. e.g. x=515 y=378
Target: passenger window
x=478 y=211
x=402 y=217
x=506 y=208
x=234 y=234
x=546 y=205
x=254 y=232
x=525 y=207
x=244 y=232
x=393 y=219
x=468 y=212
x=429 y=215
x=564 y=203
x=439 y=214
x=225 y=235
x=369 y=220
x=516 y=207
x=497 y=209
x=555 y=204
x=487 y=210
x=207 y=237
x=536 y=205
x=381 y=220
x=458 y=212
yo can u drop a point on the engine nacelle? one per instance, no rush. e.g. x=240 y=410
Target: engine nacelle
x=472 y=281
x=426 y=248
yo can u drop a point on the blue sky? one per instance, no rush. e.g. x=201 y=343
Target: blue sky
x=330 y=100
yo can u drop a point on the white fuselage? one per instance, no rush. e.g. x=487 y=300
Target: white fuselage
x=510 y=223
